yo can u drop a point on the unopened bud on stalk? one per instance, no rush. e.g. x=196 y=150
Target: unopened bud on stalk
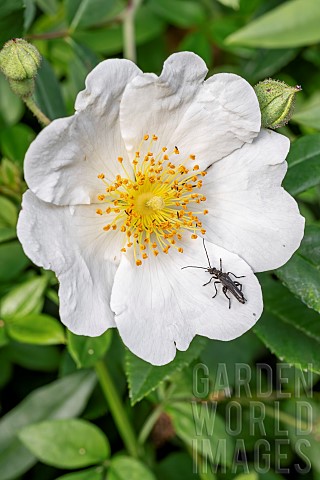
x=276 y=101
x=19 y=62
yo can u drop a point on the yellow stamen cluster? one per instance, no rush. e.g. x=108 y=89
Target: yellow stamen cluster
x=155 y=205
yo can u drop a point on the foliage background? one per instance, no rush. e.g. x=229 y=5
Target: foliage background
x=50 y=376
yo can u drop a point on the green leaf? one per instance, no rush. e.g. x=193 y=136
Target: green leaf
x=35 y=357
x=48 y=6
x=293 y=24
x=6 y=367
x=24 y=299
x=12 y=260
x=85 y=351
x=198 y=43
x=11 y=107
x=110 y=41
x=302 y=273
x=11 y=19
x=176 y=466
x=304 y=164
x=182 y=13
x=14 y=141
x=123 y=467
x=201 y=428
x=289 y=329
x=69 y=443
x=96 y=473
x=64 y=398
x=309 y=415
x=84 y=13
x=235 y=4
x=244 y=349
x=8 y=212
x=8 y=219
x=143 y=377
x=48 y=92
x=309 y=114
x=36 y=329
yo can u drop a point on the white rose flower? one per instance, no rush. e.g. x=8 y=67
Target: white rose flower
x=122 y=193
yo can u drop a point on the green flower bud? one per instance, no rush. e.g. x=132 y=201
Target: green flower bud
x=19 y=60
x=22 y=88
x=276 y=101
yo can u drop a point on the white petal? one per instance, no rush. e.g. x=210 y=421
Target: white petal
x=249 y=212
x=210 y=119
x=62 y=164
x=159 y=307
x=70 y=241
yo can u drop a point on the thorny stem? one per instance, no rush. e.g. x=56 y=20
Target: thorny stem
x=129 y=43
x=117 y=411
x=31 y=104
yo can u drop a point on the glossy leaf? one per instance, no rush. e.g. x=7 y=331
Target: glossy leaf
x=11 y=19
x=64 y=398
x=143 y=377
x=122 y=468
x=24 y=299
x=96 y=473
x=71 y=443
x=83 y=13
x=293 y=24
x=35 y=357
x=36 y=329
x=12 y=260
x=182 y=13
x=14 y=141
x=301 y=273
x=85 y=351
x=11 y=107
x=201 y=428
x=304 y=164
x=48 y=92
x=176 y=466
x=309 y=114
x=289 y=329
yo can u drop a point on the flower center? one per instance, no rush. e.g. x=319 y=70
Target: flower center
x=157 y=204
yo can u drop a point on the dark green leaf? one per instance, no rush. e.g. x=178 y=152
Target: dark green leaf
x=201 y=428
x=176 y=466
x=14 y=141
x=198 y=43
x=95 y=473
x=48 y=92
x=305 y=420
x=24 y=299
x=83 y=13
x=143 y=377
x=11 y=19
x=302 y=273
x=293 y=24
x=85 y=351
x=36 y=329
x=48 y=6
x=69 y=443
x=35 y=357
x=304 y=164
x=110 y=41
x=288 y=328
x=182 y=13
x=12 y=260
x=11 y=107
x=309 y=114
x=122 y=468
x=64 y=398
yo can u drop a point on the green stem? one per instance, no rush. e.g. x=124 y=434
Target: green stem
x=149 y=424
x=31 y=104
x=129 y=43
x=116 y=408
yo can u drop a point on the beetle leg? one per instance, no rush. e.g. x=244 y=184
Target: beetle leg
x=230 y=273
x=225 y=289
x=208 y=282
x=215 y=286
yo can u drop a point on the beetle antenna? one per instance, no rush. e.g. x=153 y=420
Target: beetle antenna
x=193 y=266
x=206 y=253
